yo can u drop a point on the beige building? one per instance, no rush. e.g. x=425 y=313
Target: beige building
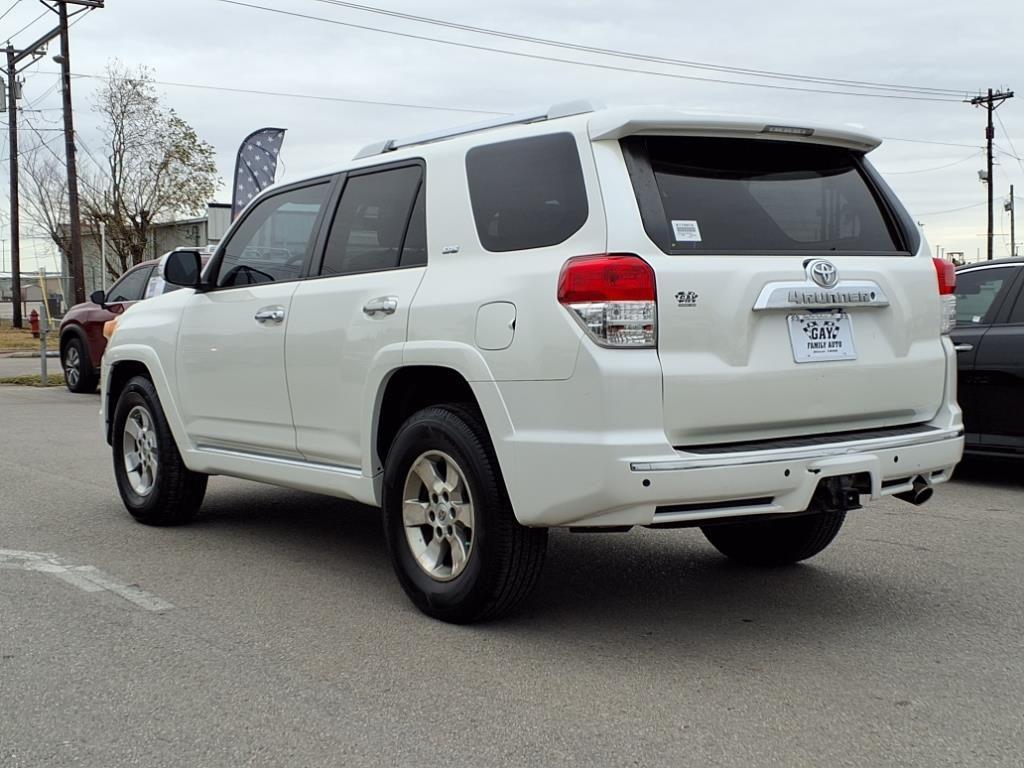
x=197 y=233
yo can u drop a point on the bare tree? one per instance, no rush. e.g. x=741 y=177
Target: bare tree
x=152 y=167
x=44 y=193
x=157 y=167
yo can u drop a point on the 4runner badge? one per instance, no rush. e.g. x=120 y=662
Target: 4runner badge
x=687 y=299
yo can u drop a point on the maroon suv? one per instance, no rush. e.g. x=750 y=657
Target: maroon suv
x=81 y=330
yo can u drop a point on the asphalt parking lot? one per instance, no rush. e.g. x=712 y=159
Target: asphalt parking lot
x=272 y=633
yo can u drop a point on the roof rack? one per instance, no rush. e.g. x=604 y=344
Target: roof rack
x=565 y=109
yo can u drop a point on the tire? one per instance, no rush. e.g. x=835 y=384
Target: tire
x=162 y=490
x=79 y=375
x=776 y=542
x=499 y=560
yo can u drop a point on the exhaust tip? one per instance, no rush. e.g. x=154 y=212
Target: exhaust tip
x=919 y=494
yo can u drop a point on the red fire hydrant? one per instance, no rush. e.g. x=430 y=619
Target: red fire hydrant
x=33 y=322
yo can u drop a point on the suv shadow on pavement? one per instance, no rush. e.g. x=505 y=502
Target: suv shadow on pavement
x=977 y=470
x=649 y=590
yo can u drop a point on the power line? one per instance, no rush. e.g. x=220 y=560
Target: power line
x=250 y=91
x=371 y=102
x=37 y=18
x=92 y=157
x=80 y=15
x=42 y=96
x=1014 y=154
x=938 y=167
x=42 y=141
x=16 y=3
x=645 y=57
x=575 y=62
x=951 y=210
x=926 y=141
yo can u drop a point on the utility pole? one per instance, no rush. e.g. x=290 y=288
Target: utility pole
x=991 y=102
x=77 y=265
x=1013 y=231
x=34 y=51
x=12 y=121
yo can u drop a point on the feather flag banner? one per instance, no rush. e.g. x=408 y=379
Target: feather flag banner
x=256 y=166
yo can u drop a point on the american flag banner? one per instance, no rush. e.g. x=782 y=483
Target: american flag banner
x=256 y=166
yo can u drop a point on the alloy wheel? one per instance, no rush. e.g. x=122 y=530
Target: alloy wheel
x=139 y=449
x=72 y=365
x=437 y=513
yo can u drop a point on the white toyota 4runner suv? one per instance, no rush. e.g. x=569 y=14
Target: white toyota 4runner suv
x=576 y=318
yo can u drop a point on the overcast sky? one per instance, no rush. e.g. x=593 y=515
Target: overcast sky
x=933 y=43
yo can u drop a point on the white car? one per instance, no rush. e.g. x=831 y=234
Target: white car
x=574 y=318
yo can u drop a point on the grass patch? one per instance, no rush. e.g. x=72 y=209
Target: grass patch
x=21 y=339
x=35 y=380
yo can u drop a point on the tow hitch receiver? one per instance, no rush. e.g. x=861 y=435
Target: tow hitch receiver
x=837 y=494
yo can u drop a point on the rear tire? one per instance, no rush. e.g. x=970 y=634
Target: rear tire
x=79 y=375
x=775 y=542
x=155 y=485
x=455 y=544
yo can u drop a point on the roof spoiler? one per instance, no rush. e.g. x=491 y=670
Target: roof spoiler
x=617 y=124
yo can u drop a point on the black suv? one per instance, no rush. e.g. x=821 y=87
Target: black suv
x=989 y=338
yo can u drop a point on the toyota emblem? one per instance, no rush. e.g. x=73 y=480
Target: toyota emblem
x=822 y=272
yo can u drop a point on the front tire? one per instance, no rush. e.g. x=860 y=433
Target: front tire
x=775 y=542
x=155 y=485
x=79 y=375
x=455 y=544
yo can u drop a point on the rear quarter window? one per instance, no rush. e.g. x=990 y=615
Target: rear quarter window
x=980 y=292
x=527 y=193
x=720 y=195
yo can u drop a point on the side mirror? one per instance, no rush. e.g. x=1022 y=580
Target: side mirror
x=98 y=297
x=183 y=268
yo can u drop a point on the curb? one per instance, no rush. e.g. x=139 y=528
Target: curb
x=25 y=355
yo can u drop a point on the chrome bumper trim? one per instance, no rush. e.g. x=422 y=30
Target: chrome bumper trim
x=813 y=452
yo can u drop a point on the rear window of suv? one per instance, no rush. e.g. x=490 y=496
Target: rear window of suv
x=719 y=195
x=526 y=193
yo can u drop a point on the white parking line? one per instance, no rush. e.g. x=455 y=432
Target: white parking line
x=84 y=577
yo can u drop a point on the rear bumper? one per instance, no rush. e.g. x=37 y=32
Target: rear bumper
x=592 y=451
x=681 y=488
x=783 y=481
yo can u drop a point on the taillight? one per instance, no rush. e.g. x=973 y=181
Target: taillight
x=613 y=297
x=945 y=271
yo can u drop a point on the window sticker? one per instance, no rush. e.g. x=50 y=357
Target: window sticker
x=685 y=231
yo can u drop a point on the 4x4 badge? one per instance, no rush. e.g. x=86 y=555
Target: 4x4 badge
x=687 y=299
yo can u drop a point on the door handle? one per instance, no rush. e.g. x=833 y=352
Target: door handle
x=963 y=347
x=383 y=305
x=270 y=314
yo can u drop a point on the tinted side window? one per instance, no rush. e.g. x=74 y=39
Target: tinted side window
x=274 y=240
x=414 y=250
x=1017 y=313
x=369 y=225
x=526 y=193
x=979 y=293
x=131 y=286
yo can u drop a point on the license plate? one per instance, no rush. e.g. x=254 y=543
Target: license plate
x=821 y=336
